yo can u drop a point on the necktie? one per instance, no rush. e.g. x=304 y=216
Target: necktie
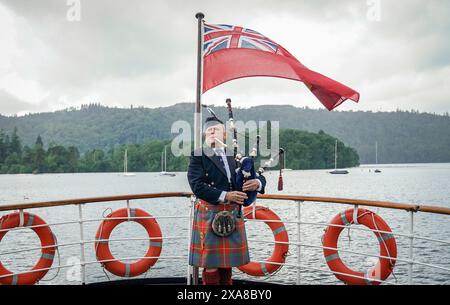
x=221 y=153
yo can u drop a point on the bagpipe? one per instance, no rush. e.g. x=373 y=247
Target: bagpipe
x=245 y=165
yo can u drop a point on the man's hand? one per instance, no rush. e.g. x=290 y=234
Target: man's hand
x=236 y=197
x=250 y=185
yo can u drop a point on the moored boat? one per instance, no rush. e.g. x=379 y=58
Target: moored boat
x=337 y=171
x=164 y=171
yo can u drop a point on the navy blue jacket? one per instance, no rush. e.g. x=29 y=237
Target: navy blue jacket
x=208 y=178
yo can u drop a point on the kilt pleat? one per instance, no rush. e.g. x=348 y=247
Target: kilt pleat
x=208 y=250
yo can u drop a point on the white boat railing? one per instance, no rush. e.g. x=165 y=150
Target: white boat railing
x=192 y=273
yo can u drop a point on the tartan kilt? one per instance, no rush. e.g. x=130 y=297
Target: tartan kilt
x=208 y=250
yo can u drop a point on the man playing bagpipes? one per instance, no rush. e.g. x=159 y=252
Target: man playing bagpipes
x=219 y=241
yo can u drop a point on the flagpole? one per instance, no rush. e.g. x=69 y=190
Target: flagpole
x=198 y=109
x=198 y=113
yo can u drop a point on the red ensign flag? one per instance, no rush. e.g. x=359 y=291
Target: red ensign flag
x=232 y=52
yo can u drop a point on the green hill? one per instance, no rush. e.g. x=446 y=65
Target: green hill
x=307 y=151
x=402 y=136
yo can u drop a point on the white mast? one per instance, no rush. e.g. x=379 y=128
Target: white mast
x=335 y=155
x=165 y=158
x=125 y=165
x=125 y=162
x=376 y=153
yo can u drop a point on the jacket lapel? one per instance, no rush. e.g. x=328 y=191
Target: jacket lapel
x=215 y=159
x=209 y=152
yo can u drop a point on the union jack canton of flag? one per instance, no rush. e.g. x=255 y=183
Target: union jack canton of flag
x=223 y=36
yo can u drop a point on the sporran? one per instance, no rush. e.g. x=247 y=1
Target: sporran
x=224 y=224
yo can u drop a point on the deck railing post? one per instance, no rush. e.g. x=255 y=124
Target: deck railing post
x=299 y=204
x=82 y=254
x=192 y=272
x=411 y=245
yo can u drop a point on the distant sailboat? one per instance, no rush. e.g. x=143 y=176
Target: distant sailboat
x=376 y=157
x=337 y=171
x=125 y=165
x=164 y=164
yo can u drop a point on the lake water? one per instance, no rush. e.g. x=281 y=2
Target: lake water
x=427 y=184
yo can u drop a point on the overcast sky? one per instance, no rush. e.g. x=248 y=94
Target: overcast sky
x=143 y=52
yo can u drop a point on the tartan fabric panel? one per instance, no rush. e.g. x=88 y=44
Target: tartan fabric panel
x=208 y=250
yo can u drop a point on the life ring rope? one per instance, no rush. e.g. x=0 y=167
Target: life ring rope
x=275 y=262
x=130 y=217
x=383 y=235
x=388 y=249
x=382 y=238
x=49 y=246
x=103 y=252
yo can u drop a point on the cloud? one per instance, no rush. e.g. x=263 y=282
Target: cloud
x=143 y=52
x=10 y=105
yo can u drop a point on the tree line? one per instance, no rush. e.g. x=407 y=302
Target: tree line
x=402 y=136
x=305 y=150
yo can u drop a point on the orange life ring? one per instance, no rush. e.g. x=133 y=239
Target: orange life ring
x=388 y=248
x=48 y=244
x=104 y=254
x=280 y=250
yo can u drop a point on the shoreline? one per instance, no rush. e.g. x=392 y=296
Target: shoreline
x=362 y=166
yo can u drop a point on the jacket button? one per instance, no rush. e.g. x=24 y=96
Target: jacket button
x=212 y=183
x=206 y=174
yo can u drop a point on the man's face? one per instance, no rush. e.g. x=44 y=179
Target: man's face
x=213 y=132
